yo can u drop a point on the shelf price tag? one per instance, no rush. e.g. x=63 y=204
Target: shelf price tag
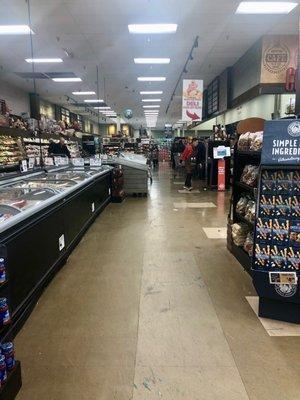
x=57 y=161
x=78 y=162
x=23 y=166
x=49 y=161
x=31 y=163
x=95 y=162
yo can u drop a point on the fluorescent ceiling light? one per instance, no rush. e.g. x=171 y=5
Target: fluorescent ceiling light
x=94 y=101
x=102 y=108
x=151 y=78
x=154 y=106
x=74 y=79
x=15 y=30
x=265 y=7
x=83 y=93
x=44 y=60
x=151 y=111
x=152 y=61
x=152 y=28
x=151 y=100
x=152 y=92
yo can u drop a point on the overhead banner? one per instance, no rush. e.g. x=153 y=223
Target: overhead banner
x=279 y=54
x=281 y=142
x=192 y=99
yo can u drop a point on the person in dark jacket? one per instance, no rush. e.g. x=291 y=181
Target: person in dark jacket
x=201 y=159
x=59 y=149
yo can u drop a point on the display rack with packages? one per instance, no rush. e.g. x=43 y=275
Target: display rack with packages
x=246 y=164
x=276 y=260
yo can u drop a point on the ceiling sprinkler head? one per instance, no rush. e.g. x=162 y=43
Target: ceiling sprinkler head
x=68 y=53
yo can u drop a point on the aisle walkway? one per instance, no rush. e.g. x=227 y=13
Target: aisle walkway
x=148 y=307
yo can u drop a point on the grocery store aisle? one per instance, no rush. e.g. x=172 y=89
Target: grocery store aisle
x=148 y=308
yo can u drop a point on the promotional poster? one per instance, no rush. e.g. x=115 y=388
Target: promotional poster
x=192 y=99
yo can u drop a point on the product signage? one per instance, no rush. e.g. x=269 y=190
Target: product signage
x=48 y=161
x=281 y=142
x=31 y=162
x=23 y=166
x=221 y=152
x=279 y=55
x=78 y=162
x=221 y=175
x=95 y=162
x=192 y=99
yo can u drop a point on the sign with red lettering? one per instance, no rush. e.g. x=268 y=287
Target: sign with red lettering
x=221 y=174
x=192 y=98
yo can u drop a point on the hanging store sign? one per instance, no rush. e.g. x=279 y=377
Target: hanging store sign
x=279 y=54
x=192 y=99
x=281 y=143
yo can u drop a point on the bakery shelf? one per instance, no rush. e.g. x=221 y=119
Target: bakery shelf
x=249 y=153
x=246 y=187
x=243 y=257
x=241 y=218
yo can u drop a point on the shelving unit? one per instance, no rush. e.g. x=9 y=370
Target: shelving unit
x=240 y=160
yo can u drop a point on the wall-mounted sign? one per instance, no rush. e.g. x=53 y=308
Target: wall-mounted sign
x=192 y=99
x=281 y=142
x=279 y=53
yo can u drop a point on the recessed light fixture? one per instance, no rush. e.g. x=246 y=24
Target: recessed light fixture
x=152 y=106
x=94 y=101
x=152 y=61
x=265 y=7
x=44 y=60
x=83 y=93
x=102 y=108
x=15 y=30
x=151 y=78
x=152 y=28
x=151 y=100
x=152 y=92
x=73 y=79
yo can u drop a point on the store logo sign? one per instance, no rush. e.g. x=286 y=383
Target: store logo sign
x=285 y=290
x=276 y=58
x=294 y=129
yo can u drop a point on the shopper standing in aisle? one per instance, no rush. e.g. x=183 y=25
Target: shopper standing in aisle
x=189 y=157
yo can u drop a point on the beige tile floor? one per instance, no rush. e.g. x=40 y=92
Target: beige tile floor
x=148 y=307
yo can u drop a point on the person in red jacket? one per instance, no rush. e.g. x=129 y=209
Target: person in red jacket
x=189 y=157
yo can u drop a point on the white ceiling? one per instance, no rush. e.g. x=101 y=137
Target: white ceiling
x=95 y=31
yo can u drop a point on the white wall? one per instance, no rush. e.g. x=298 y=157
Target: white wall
x=16 y=99
x=260 y=107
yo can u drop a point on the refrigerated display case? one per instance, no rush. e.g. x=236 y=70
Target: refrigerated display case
x=43 y=216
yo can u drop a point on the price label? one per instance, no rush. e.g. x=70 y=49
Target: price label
x=24 y=167
x=57 y=160
x=38 y=160
x=95 y=162
x=78 y=162
x=64 y=161
x=49 y=161
x=31 y=163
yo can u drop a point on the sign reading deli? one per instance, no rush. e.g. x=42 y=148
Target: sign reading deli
x=279 y=56
x=192 y=99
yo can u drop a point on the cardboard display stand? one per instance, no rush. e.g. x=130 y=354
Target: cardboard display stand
x=276 y=259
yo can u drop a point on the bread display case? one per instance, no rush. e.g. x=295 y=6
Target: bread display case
x=43 y=215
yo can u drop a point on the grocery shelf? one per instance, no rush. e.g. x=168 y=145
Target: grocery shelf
x=243 y=257
x=13 y=384
x=241 y=218
x=246 y=187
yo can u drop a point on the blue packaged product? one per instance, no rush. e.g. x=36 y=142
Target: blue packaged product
x=3 y=373
x=4 y=312
x=2 y=270
x=9 y=354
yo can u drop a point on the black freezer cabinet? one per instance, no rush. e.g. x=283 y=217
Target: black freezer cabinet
x=39 y=227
